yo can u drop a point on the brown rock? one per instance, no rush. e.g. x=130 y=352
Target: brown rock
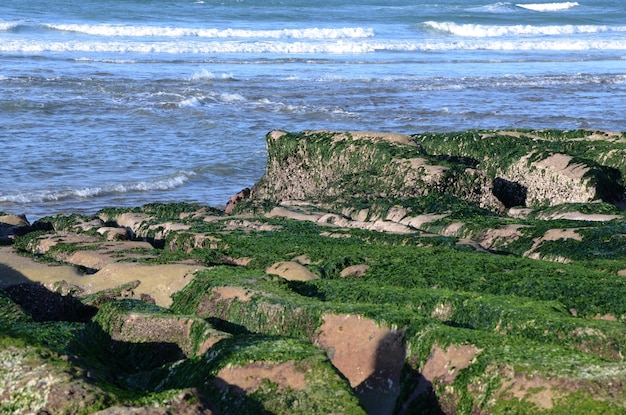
x=232 y=202
x=12 y=226
x=354 y=270
x=291 y=271
x=251 y=376
x=369 y=355
x=113 y=233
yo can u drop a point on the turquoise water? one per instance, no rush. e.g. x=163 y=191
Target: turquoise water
x=126 y=102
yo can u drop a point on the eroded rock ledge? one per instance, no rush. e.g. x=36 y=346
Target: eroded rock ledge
x=534 y=170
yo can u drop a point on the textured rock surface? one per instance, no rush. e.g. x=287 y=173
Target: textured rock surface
x=382 y=285
x=321 y=166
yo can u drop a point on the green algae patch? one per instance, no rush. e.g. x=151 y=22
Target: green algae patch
x=493 y=295
x=254 y=374
x=326 y=165
x=475 y=371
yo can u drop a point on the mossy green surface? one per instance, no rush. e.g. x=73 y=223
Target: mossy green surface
x=562 y=322
x=325 y=391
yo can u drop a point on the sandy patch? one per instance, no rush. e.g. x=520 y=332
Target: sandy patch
x=445 y=365
x=369 y=355
x=359 y=347
x=282 y=212
x=157 y=281
x=291 y=271
x=422 y=167
x=251 y=376
x=332 y=219
x=606 y=317
x=419 y=220
x=582 y=217
x=229 y=293
x=453 y=229
x=394 y=214
x=442 y=366
x=303 y=259
x=113 y=233
x=519 y=213
x=602 y=136
x=240 y=262
x=130 y=220
x=563 y=164
x=533 y=388
x=506 y=234
x=17 y=269
x=246 y=225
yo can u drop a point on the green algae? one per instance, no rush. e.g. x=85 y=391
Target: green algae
x=525 y=316
x=325 y=390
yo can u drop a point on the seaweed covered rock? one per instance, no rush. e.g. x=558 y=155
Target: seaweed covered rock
x=545 y=167
x=322 y=166
x=12 y=226
x=365 y=274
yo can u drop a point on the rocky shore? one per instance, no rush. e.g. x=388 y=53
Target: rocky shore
x=479 y=272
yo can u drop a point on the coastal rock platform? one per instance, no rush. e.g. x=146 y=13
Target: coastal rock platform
x=478 y=272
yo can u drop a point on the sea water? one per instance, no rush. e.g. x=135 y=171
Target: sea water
x=127 y=102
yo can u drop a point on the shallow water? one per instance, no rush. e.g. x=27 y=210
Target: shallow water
x=110 y=103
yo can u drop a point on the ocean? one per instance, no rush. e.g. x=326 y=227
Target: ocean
x=127 y=102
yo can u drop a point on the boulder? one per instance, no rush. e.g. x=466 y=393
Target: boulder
x=12 y=226
x=234 y=200
x=321 y=166
x=291 y=271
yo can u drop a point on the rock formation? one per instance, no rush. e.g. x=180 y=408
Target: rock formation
x=365 y=273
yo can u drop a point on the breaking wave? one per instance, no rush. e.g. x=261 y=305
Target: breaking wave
x=480 y=30
x=158 y=31
x=339 y=47
x=548 y=7
x=6 y=26
x=39 y=196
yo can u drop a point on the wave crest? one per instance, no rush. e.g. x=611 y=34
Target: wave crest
x=159 y=184
x=109 y=30
x=548 y=7
x=478 y=30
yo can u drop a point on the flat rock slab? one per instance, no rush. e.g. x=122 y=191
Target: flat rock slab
x=157 y=281
x=17 y=269
x=291 y=271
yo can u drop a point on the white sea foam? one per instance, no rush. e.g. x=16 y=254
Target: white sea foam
x=548 y=7
x=499 y=7
x=230 y=98
x=7 y=26
x=159 y=184
x=190 y=47
x=205 y=74
x=522 y=45
x=160 y=31
x=480 y=30
x=193 y=102
x=336 y=47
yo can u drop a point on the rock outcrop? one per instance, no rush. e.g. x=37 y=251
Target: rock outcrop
x=539 y=168
x=365 y=274
x=323 y=166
